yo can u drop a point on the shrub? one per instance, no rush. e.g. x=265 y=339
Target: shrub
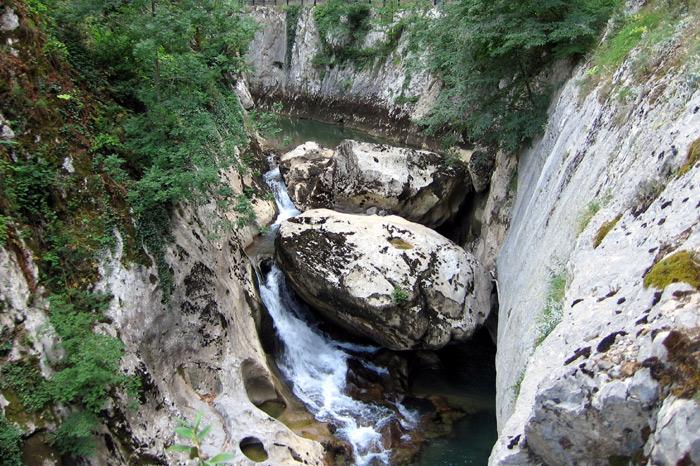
x=90 y=368
x=683 y=266
x=553 y=311
x=24 y=379
x=4 y=222
x=400 y=296
x=604 y=229
x=292 y=20
x=10 y=443
x=647 y=192
x=587 y=215
x=244 y=209
x=194 y=435
x=692 y=158
x=490 y=55
x=75 y=435
x=518 y=383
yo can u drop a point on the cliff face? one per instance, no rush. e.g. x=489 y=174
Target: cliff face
x=199 y=353
x=599 y=386
x=382 y=97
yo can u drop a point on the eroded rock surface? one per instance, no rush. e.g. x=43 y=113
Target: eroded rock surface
x=362 y=177
x=385 y=97
x=579 y=386
x=399 y=283
x=307 y=172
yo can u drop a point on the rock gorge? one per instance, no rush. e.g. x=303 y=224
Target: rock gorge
x=572 y=244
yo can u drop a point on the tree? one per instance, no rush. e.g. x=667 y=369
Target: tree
x=490 y=55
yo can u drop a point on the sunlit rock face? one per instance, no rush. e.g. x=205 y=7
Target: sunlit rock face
x=362 y=177
x=399 y=283
x=601 y=198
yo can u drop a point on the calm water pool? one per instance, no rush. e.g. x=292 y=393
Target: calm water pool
x=296 y=131
x=466 y=377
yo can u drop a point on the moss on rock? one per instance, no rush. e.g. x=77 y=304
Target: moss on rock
x=682 y=266
x=604 y=229
x=692 y=159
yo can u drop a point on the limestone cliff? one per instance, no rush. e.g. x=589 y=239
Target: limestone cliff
x=382 y=97
x=200 y=352
x=600 y=201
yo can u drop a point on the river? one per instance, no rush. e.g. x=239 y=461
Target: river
x=317 y=365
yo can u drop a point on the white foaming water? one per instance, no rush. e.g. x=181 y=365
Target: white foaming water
x=273 y=178
x=317 y=365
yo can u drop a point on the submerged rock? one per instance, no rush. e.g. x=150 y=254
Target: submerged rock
x=396 y=282
x=364 y=177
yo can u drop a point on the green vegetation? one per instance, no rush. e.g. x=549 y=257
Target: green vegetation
x=647 y=192
x=553 y=311
x=609 y=57
x=690 y=161
x=343 y=28
x=195 y=436
x=25 y=381
x=400 y=296
x=292 y=20
x=83 y=379
x=491 y=56
x=518 y=383
x=10 y=443
x=399 y=243
x=604 y=230
x=654 y=23
x=267 y=123
x=683 y=266
x=682 y=373
x=587 y=215
x=121 y=113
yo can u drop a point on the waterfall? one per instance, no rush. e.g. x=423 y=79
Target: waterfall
x=317 y=365
x=274 y=180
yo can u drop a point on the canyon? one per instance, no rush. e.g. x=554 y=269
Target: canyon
x=377 y=260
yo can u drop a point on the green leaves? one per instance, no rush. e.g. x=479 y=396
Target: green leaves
x=221 y=458
x=170 y=65
x=196 y=436
x=10 y=443
x=75 y=435
x=491 y=54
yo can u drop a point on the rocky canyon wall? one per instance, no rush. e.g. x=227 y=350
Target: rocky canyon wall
x=590 y=354
x=197 y=353
x=382 y=97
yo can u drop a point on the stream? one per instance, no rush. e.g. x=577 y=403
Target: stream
x=318 y=365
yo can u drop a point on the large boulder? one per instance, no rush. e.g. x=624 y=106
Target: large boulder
x=307 y=173
x=396 y=282
x=361 y=177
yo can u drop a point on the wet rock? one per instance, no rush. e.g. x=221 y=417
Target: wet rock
x=360 y=177
x=385 y=97
x=399 y=283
